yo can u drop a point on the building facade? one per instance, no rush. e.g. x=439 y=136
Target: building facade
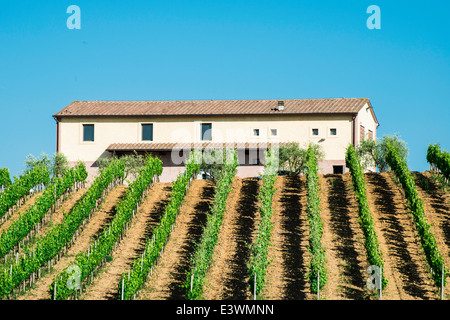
x=89 y=130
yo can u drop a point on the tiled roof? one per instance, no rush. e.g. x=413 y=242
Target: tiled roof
x=166 y=146
x=212 y=107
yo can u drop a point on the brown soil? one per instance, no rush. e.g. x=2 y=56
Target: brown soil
x=105 y=285
x=227 y=278
x=405 y=266
x=346 y=260
x=288 y=253
x=40 y=291
x=437 y=213
x=343 y=240
x=170 y=273
x=28 y=204
x=66 y=206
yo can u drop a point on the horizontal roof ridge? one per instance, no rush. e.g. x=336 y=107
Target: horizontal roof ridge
x=209 y=107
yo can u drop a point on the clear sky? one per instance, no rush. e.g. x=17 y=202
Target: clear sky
x=186 y=50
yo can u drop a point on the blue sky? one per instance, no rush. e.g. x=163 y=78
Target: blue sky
x=185 y=50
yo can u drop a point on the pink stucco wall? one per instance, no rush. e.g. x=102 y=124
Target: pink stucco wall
x=326 y=166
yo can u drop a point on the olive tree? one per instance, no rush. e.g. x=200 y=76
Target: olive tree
x=56 y=164
x=213 y=161
x=133 y=163
x=372 y=153
x=293 y=157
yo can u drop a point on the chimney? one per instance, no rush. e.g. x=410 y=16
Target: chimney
x=280 y=105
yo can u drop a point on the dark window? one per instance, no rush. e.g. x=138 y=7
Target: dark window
x=333 y=131
x=147 y=132
x=338 y=169
x=88 y=132
x=206 y=131
x=256 y=132
x=315 y=132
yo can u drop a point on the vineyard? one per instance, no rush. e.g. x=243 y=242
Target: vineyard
x=352 y=236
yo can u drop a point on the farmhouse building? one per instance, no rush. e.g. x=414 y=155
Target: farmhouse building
x=89 y=130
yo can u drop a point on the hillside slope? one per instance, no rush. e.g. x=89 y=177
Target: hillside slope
x=405 y=264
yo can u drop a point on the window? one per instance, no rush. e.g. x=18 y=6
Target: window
x=147 y=132
x=206 y=132
x=256 y=132
x=338 y=169
x=362 y=133
x=88 y=132
x=274 y=132
x=370 y=135
x=315 y=132
x=333 y=131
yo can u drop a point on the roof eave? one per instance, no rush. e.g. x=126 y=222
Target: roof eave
x=200 y=115
x=371 y=111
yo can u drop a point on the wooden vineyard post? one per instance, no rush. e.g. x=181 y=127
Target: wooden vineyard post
x=381 y=283
x=54 y=291
x=123 y=287
x=318 y=285
x=254 y=288
x=442 y=283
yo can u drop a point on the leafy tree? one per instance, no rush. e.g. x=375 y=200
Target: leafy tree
x=31 y=162
x=293 y=157
x=440 y=159
x=213 y=161
x=373 y=152
x=368 y=154
x=59 y=165
x=317 y=150
x=103 y=162
x=5 y=179
x=134 y=163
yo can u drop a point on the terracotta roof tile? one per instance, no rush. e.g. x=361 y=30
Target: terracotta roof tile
x=211 y=107
x=166 y=146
